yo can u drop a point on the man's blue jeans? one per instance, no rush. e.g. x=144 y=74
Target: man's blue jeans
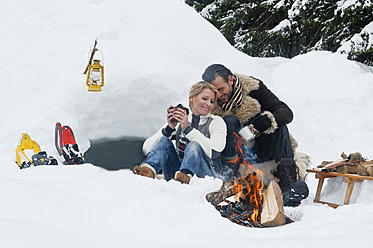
x=164 y=156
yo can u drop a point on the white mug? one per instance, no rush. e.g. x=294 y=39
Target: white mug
x=246 y=134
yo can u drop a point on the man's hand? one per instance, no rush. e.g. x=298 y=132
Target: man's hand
x=260 y=123
x=256 y=132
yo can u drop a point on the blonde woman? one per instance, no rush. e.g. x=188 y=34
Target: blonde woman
x=200 y=137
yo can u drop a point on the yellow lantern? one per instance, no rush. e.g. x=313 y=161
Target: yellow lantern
x=95 y=77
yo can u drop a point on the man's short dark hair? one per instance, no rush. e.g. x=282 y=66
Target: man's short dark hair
x=215 y=70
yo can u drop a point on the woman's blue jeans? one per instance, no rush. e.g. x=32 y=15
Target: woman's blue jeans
x=164 y=157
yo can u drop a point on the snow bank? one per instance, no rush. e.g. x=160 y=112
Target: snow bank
x=153 y=52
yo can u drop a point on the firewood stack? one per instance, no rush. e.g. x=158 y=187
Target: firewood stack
x=354 y=163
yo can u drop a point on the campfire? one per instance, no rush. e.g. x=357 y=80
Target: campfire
x=246 y=209
x=252 y=207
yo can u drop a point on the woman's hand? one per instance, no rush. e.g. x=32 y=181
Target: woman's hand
x=183 y=118
x=177 y=115
x=170 y=117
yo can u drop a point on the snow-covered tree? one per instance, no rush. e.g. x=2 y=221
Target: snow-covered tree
x=286 y=28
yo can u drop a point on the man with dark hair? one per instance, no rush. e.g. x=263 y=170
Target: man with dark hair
x=245 y=102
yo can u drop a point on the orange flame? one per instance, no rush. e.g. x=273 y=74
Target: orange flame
x=250 y=185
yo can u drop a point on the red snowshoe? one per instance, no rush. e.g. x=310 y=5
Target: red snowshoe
x=67 y=146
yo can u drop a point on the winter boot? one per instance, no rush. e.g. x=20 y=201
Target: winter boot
x=293 y=189
x=144 y=170
x=182 y=177
x=294 y=193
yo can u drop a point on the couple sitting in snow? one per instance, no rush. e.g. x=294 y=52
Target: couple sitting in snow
x=222 y=105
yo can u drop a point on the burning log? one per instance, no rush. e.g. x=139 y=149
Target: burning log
x=219 y=196
x=239 y=187
x=239 y=213
x=247 y=189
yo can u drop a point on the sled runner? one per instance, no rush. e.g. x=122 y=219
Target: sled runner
x=66 y=145
x=25 y=148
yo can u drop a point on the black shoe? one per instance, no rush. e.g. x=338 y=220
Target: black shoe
x=294 y=193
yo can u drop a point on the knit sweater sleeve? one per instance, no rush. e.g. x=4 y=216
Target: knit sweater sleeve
x=153 y=140
x=216 y=142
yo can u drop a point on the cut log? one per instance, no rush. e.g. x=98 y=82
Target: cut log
x=223 y=193
x=272 y=210
x=365 y=168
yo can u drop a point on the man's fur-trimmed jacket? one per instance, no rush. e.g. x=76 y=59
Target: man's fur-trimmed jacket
x=258 y=100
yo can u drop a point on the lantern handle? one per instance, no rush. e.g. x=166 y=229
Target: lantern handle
x=90 y=59
x=102 y=56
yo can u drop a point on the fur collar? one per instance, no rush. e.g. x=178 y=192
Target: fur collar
x=250 y=107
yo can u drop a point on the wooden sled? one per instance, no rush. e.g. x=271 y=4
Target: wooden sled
x=350 y=179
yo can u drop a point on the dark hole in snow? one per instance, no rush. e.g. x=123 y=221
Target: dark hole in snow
x=115 y=154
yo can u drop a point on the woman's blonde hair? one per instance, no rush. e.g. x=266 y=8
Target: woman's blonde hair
x=198 y=87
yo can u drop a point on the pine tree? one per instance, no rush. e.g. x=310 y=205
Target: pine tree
x=290 y=27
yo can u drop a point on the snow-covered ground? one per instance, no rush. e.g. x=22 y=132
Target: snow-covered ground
x=153 y=52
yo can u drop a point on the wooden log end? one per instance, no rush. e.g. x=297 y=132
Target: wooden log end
x=272 y=210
